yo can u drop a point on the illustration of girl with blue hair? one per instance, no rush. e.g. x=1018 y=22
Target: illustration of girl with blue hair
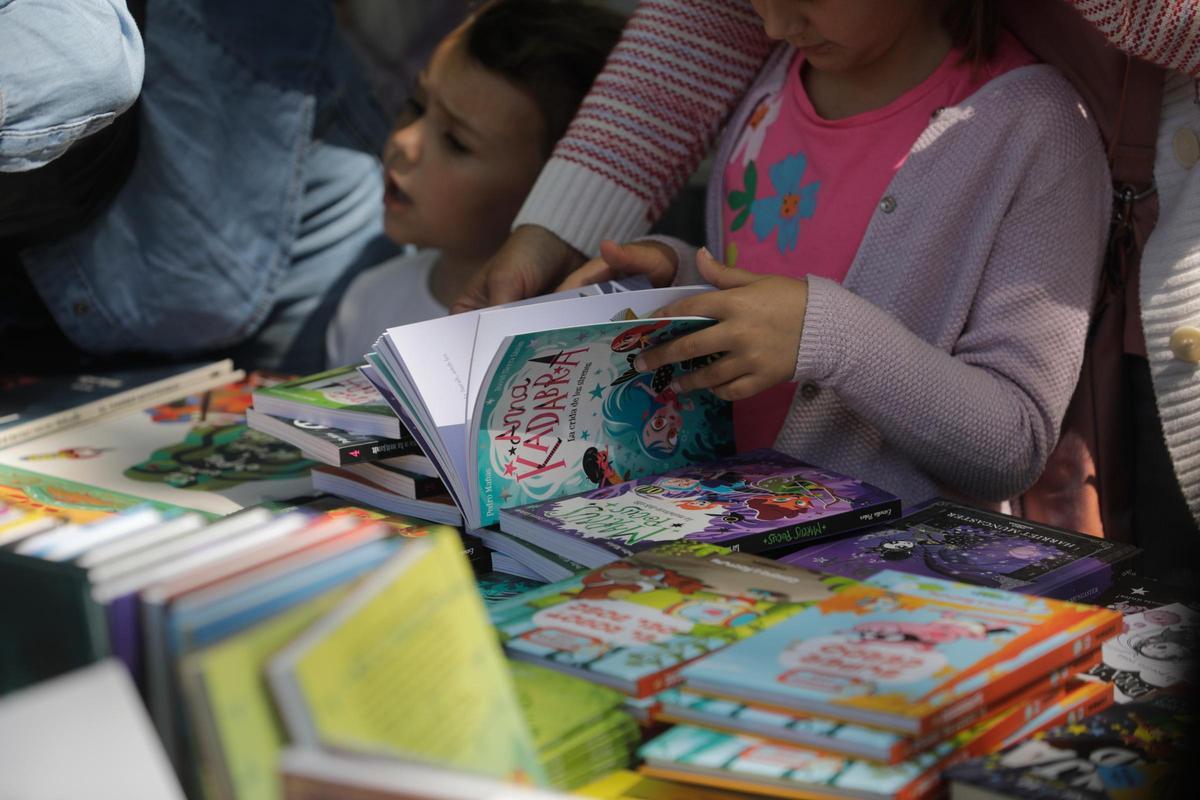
x=654 y=413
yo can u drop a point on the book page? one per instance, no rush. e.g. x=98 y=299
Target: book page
x=408 y=666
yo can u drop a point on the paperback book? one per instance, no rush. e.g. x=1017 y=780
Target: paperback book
x=37 y=405
x=329 y=445
x=353 y=486
x=634 y=623
x=751 y=502
x=947 y=540
x=908 y=662
x=523 y=404
x=340 y=398
x=1134 y=750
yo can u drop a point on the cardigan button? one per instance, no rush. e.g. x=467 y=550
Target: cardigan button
x=1185 y=344
x=888 y=204
x=809 y=391
x=1187 y=147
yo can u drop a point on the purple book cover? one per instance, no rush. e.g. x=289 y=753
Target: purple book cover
x=752 y=502
x=946 y=540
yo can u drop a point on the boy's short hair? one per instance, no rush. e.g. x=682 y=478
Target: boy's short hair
x=551 y=50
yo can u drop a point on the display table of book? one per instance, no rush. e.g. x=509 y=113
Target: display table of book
x=497 y=562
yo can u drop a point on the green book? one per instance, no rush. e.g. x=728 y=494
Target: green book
x=340 y=398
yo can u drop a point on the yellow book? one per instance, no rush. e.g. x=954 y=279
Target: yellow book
x=408 y=666
x=238 y=733
x=626 y=785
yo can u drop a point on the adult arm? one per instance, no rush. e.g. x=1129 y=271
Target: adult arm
x=650 y=117
x=1165 y=32
x=70 y=67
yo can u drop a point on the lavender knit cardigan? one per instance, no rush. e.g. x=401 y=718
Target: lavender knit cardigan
x=945 y=361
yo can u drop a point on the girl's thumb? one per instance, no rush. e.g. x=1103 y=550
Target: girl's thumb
x=719 y=275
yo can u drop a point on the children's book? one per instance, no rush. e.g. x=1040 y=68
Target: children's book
x=354 y=487
x=496 y=586
x=330 y=445
x=399 y=480
x=37 y=405
x=522 y=404
x=1158 y=649
x=948 y=540
x=752 y=502
x=1082 y=699
x=340 y=398
x=541 y=562
x=1135 y=750
x=194 y=453
x=634 y=623
x=911 y=663
x=407 y=666
x=628 y=785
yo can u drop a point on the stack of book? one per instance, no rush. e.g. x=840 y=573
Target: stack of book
x=876 y=689
x=366 y=455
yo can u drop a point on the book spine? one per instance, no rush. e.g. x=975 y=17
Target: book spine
x=364 y=453
x=783 y=540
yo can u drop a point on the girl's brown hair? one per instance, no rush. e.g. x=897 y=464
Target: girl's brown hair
x=974 y=25
x=550 y=50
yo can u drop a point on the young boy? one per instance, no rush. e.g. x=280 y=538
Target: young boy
x=497 y=94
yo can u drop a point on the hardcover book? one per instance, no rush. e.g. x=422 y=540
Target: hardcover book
x=752 y=502
x=531 y=402
x=37 y=405
x=1135 y=750
x=947 y=540
x=634 y=623
x=911 y=663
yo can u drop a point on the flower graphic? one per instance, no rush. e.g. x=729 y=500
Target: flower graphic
x=785 y=209
x=755 y=132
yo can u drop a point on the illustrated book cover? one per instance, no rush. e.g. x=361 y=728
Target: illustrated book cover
x=531 y=402
x=340 y=398
x=330 y=445
x=948 y=540
x=909 y=662
x=1134 y=750
x=634 y=623
x=36 y=405
x=751 y=502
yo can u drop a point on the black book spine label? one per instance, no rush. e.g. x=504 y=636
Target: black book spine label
x=374 y=451
x=784 y=540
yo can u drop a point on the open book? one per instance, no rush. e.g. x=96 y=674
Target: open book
x=535 y=401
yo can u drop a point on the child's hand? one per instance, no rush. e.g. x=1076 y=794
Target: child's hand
x=759 y=322
x=653 y=259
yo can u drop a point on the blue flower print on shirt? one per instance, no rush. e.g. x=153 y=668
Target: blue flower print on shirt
x=785 y=209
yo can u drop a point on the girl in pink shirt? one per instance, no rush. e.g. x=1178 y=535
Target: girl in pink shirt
x=850 y=164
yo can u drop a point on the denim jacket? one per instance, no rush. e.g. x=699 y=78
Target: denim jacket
x=238 y=146
x=68 y=72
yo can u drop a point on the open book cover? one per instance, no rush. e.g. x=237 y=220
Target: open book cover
x=633 y=624
x=751 y=502
x=910 y=656
x=946 y=540
x=195 y=453
x=530 y=402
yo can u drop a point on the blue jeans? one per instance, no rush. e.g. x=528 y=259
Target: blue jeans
x=256 y=188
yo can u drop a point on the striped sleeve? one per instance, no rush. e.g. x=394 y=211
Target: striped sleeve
x=1165 y=32
x=678 y=70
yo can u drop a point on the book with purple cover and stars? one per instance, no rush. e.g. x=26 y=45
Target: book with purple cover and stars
x=943 y=539
x=756 y=501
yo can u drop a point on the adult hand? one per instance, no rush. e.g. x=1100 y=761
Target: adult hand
x=760 y=319
x=529 y=262
x=655 y=260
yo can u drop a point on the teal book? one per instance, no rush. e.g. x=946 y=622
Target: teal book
x=633 y=624
x=339 y=398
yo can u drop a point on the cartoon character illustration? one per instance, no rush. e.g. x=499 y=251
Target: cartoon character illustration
x=654 y=412
x=724 y=613
x=599 y=470
x=569 y=647
x=770 y=508
x=70 y=453
x=924 y=635
x=622 y=578
x=799 y=486
x=221 y=457
x=637 y=337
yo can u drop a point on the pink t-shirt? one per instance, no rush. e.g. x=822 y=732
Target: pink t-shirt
x=800 y=190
